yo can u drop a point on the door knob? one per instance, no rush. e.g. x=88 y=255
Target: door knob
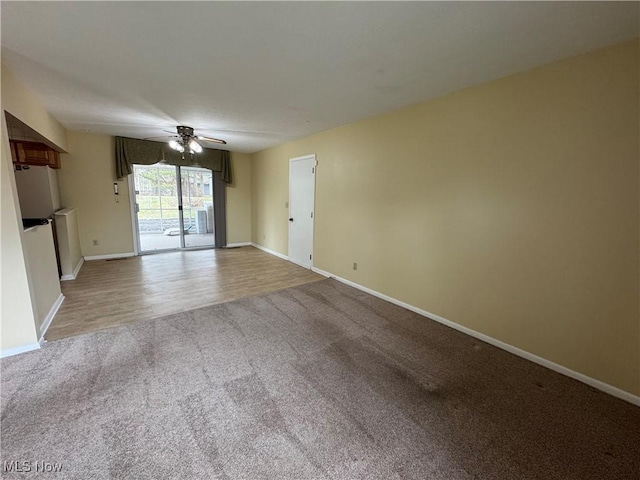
x=291 y=219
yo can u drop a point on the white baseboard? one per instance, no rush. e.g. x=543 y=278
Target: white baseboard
x=78 y=267
x=242 y=244
x=592 y=382
x=268 y=250
x=75 y=271
x=109 y=256
x=9 y=352
x=49 y=318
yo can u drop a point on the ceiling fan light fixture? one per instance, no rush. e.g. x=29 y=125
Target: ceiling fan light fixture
x=176 y=146
x=195 y=146
x=185 y=140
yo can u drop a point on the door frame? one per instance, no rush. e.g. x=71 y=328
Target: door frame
x=135 y=229
x=311 y=156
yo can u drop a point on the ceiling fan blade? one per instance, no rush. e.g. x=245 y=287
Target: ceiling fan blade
x=210 y=139
x=169 y=131
x=162 y=136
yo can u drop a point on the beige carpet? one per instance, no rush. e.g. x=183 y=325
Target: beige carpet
x=314 y=382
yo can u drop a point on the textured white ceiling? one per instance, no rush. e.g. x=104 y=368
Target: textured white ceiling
x=259 y=74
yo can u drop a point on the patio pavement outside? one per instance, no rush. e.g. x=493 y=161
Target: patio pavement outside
x=159 y=241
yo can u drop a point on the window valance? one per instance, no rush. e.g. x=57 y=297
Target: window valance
x=131 y=151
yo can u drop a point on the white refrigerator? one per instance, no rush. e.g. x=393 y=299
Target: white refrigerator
x=37 y=191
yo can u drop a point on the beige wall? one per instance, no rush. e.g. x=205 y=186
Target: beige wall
x=42 y=271
x=86 y=183
x=239 y=200
x=25 y=106
x=510 y=208
x=17 y=321
x=17 y=327
x=68 y=241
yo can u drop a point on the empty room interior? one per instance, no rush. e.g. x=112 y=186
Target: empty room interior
x=320 y=240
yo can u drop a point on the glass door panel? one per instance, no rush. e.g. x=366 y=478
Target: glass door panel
x=156 y=189
x=197 y=206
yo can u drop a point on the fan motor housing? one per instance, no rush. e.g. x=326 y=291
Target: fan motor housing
x=185 y=131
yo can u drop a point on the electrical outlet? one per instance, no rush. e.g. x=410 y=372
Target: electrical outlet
x=95 y=243
x=355 y=266
x=286 y=204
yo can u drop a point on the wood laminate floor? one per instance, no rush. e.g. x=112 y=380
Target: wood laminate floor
x=109 y=293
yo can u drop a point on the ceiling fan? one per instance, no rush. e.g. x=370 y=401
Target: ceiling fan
x=186 y=140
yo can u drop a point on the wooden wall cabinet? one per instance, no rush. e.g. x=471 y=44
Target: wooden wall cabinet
x=32 y=153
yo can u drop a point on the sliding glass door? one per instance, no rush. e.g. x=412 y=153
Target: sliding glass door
x=197 y=206
x=173 y=207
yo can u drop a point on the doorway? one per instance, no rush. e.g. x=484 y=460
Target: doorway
x=302 y=189
x=173 y=207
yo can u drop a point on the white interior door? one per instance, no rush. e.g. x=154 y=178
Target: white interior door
x=302 y=190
